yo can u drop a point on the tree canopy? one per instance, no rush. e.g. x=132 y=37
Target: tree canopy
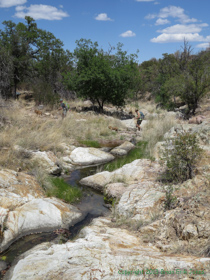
x=102 y=76
x=33 y=52
x=35 y=57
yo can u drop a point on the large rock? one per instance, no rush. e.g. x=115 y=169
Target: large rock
x=141 y=201
x=17 y=188
x=102 y=252
x=89 y=156
x=24 y=208
x=202 y=131
x=123 y=149
x=48 y=161
x=38 y=215
x=138 y=170
x=131 y=124
x=134 y=184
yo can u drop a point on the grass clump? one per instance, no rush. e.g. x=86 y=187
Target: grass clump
x=90 y=143
x=154 y=131
x=136 y=153
x=64 y=191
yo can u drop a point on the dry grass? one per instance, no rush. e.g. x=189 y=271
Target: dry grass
x=21 y=126
x=154 y=131
x=145 y=107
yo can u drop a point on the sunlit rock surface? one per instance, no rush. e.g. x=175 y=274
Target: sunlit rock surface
x=25 y=209
x=89 y=156
x=101 y=252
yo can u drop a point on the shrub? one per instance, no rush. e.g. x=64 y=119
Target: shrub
x=180 y=155
x=170 y=200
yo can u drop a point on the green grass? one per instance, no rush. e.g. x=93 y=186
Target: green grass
x=137 y=153
x=64 y=191
x=90 y=143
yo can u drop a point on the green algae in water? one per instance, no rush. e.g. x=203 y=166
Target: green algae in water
x=137 y=153
x=64 y=191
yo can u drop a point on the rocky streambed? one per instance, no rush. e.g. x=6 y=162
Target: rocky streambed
x=139 y=239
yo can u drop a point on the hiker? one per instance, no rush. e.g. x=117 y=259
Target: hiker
x=63 y=107
x=17 y=94
x=139 y=117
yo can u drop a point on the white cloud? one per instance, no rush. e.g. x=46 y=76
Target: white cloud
x=151 y=16
x=40 y=12
x=172 y=11
x=180 y=37
x=161 y=21
x=182 y=28
x=10 y=3
x=203 y=46
x=128 y=33
x=145 y=0
x=103 y=17
x=156 y=3
x=188 y=29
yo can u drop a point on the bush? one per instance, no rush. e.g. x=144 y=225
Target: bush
x=170 y=200
x=180 y=155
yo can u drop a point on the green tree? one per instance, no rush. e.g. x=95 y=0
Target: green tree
x=6 y=71
x=196 y=80
x=193 y=83
x=101 y=76
x=27 y=45
x=168 y=68
x=148 y=72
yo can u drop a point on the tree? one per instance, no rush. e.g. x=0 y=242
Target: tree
x=168 y=68
x=100 y=76
x=192 y=84
x=27 y=45
x=196 y=81
x=6 y=70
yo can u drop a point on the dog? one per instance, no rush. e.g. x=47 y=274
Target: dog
x=38 y=112
x=113 y=128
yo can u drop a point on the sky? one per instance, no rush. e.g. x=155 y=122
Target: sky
x=153 y=27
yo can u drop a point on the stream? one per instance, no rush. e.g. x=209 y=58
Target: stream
x=91 y=205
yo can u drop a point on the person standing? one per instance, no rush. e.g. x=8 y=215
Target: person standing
x=63 y=107
x=138 y=118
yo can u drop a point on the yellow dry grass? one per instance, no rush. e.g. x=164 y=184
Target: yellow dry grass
x=24 y=128
x=155 y=129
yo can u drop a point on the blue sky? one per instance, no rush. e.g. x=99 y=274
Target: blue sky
x=153 y=27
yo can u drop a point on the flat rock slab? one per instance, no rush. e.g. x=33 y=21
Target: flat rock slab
x=89 y=156
x=38 y=215
x=141 y=201
x=25 y=209
x=101 y=252
x=123 y=149
x=138 y=170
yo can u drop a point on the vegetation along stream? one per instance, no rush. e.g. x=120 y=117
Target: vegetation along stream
x=91 y=204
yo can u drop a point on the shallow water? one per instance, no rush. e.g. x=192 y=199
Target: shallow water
x=92 y=201
x=91 y=205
